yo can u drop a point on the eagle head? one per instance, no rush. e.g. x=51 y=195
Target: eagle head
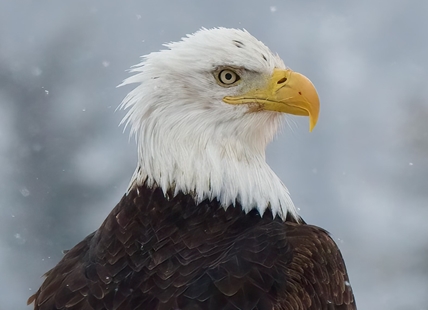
x=203 y=113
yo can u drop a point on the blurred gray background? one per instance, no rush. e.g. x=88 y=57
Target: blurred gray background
x=362 y=174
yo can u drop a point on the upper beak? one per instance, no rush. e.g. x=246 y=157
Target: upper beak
x=286 y=91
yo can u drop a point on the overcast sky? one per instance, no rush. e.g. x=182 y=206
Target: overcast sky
x=362 y=174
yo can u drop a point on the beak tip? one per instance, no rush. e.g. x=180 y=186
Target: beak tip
x=312 y=123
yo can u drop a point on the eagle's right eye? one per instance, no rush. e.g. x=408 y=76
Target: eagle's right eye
x=228 y=77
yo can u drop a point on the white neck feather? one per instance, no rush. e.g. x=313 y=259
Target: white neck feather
x=211 y=160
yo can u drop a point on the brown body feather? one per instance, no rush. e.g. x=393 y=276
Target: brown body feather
x=154 y=253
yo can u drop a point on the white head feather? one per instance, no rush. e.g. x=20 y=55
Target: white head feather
x=188 y=139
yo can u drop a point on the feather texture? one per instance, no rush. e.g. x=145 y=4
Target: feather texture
x=154 y=253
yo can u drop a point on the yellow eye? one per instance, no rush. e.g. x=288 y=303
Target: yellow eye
x=228 y=77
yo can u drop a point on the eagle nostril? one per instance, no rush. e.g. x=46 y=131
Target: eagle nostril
x=283 y=80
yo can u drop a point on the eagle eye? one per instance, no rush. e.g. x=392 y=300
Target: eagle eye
x=228 y=77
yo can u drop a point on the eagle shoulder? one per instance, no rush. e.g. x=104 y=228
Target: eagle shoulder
x=317 y=275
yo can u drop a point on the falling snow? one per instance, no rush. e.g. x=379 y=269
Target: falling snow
x=24 y=192
x=19 y=238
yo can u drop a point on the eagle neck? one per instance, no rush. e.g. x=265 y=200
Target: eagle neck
x=212 y=166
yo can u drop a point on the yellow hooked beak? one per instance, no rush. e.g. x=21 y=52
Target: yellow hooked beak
x=286 y=91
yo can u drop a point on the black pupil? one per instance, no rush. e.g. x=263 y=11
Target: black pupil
x=228 y=76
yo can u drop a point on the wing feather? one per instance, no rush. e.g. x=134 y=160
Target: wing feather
x=317 y=272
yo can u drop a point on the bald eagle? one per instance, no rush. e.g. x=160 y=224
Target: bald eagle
x=205 y=223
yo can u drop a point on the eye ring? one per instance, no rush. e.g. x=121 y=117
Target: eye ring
x=228 y=77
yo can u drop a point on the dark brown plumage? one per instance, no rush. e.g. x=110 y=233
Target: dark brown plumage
x=155 y=253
